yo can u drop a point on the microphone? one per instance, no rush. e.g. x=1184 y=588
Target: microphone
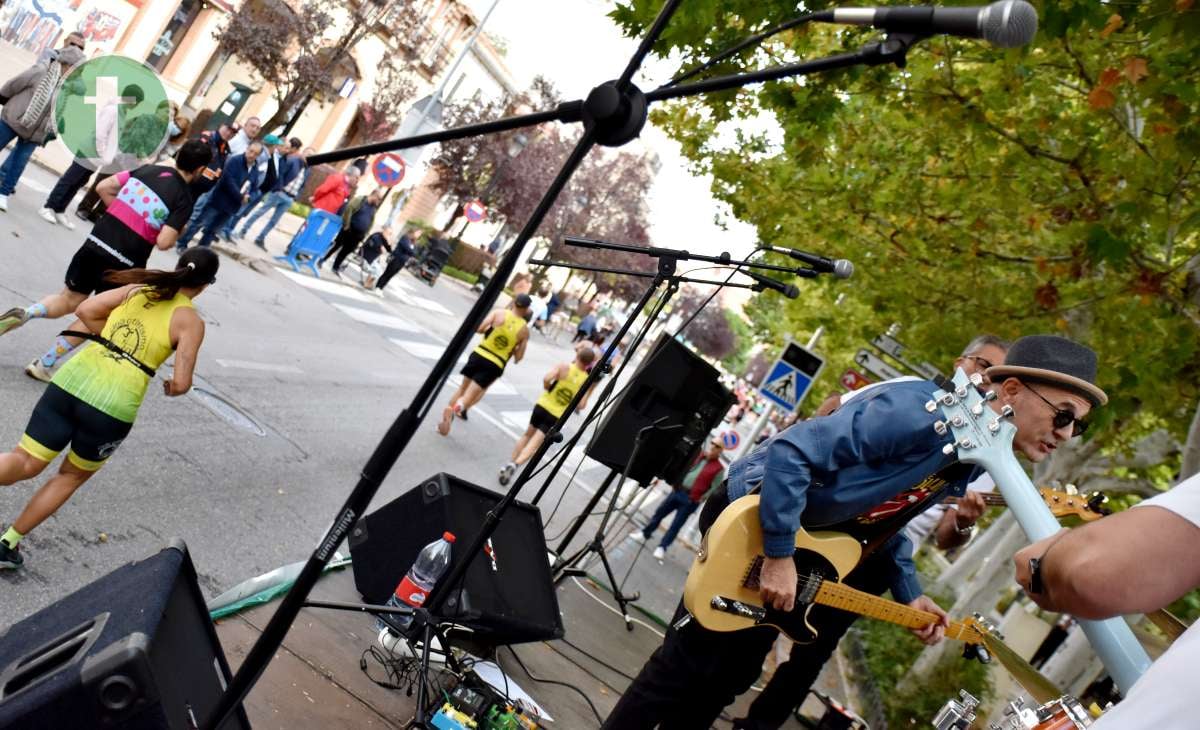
x=788 y=290
x=1005 y=23
x=841 y=268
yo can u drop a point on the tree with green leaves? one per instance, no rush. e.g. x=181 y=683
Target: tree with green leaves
x=1050 y=188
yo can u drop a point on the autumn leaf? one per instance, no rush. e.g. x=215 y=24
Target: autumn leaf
x=1114 y=22
x=1046 y=295
x=1162 y=129
x=1101 y=98
x=1109 y=78
x=1184 y=5
x=1136 y=70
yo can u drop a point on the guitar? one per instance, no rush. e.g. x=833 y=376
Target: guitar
x=722 y=590
x=984 y=437
x=1061 y=504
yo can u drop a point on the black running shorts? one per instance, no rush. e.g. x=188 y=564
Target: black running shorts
x=60 y=418
x=481 y=370
x=85 y=273
x=542 y=419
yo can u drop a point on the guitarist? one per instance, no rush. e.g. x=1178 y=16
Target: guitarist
x=951 y=526
x=869 y=468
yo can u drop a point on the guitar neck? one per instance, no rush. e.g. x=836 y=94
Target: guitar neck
x=837 y=595
x=991 y=499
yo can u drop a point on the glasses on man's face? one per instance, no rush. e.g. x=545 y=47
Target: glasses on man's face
x=76 y=45
x=1063 y=417
x=982 y=362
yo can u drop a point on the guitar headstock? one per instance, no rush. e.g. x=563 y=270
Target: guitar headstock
x=1071 y=502
x=981 y=435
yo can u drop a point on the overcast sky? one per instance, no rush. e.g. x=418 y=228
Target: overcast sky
x=574 y=44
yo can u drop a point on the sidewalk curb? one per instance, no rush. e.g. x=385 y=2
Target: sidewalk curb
x=250 y=261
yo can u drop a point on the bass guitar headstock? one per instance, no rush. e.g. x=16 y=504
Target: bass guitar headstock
x=1072 y=503
x=981 y=435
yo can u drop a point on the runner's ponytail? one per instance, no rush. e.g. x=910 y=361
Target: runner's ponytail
x=196 y=267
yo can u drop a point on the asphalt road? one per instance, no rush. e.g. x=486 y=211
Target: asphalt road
x=319 y=366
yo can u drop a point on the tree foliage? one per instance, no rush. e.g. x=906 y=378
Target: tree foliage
x=298 y=48
x=1050 y=188
x=605 y=199
x=710 y=331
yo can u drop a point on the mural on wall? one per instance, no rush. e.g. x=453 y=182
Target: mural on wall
x=37 y=25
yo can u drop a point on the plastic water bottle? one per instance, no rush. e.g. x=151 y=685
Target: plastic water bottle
x=414 y=588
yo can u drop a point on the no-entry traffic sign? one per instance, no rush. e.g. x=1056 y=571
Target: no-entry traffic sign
x=475 y=211
x=388 y=169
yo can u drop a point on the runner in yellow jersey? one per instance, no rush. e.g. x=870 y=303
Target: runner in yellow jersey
x=561 y=384
x=505 y=334
x=93 y=400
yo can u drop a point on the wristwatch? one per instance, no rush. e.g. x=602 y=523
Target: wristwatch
x=963 y=531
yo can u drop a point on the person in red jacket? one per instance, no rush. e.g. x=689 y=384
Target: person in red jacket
x=335 y=190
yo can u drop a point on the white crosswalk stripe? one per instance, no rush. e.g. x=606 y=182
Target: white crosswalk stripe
x=370 y=316
x=423 y=350
x=262 y=366
x=328 y=287
x=427 y=304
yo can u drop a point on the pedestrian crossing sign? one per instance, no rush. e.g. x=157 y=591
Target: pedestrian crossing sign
x=791 y=377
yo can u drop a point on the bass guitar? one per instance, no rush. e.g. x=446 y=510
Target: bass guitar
x=1061 y=503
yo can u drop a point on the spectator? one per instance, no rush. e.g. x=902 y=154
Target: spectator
x=586 y=327
x=400 y=256
x=372 y=254
x=226 y=197
x=177 y=132
x=248 y=133
x=357 y=219
x=293 y=173
x=265 y=180
x=705 y=473
x=334 y=190
x=74 y=39
x=27 y=116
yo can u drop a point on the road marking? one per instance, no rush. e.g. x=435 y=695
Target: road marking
x=423 y=303
x=519 y=419
x=328 y=287
x=368 y=316
x=263 y=366
x=423 y=350
x=495 y=422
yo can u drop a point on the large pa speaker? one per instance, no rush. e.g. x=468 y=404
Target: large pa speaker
x=673 y=384
x=135 y=650
x=507 y=596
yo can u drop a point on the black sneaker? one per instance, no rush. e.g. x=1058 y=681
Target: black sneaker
x=461 y=414
x=10 y=558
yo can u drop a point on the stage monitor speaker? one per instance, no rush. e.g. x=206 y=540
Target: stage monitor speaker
x=672 y=382
x=507 y=596
x=134 y=650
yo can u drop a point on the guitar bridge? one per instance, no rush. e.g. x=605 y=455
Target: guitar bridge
x=737 y=608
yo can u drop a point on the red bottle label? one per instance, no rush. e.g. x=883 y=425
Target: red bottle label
x=410 y=593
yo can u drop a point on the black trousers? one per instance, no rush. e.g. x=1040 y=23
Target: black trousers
x=696 y=673
x=346 y=243
x=394 y=266
x=70 y=183
x=91 y=206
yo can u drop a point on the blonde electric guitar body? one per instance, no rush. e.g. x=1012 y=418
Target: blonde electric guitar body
x=727 y=565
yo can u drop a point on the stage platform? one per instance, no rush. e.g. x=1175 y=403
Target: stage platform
x=315 y=680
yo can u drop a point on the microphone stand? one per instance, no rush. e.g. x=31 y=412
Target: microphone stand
x=613 y=114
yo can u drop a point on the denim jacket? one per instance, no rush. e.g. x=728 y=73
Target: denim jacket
x=826 y=470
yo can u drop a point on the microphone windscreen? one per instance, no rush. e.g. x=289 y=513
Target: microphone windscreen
x=791 y=291
x=843 y=269
x=1008 y=23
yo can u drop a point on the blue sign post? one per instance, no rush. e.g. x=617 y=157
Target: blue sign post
x=791 y=377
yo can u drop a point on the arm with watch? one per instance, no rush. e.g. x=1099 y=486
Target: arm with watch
x=958 y=521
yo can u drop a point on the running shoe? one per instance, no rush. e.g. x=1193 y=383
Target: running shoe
x=4 y=202
x=10 y=558
x=38 y=371
x=660 y=553
x=506 y=473
x=460 y=413
x=48 y=216
x=638 y=536
x=13 y=319
x=64 y=221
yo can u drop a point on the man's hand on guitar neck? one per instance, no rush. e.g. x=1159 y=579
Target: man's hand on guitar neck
x=778 y=583
x=934 y=632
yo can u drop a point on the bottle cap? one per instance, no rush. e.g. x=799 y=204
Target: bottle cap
x=448 y=536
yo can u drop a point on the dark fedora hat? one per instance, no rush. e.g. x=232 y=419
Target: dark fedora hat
x=1052 y=360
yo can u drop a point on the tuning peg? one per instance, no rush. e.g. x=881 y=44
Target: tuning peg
x=990 y=395
x=1006 y=412
x=948 y=399
x=1071 y=489
x=977 y=410
x=994 y=425
x=976 y=379
x=931 y=406
x=961 y=391
x=966 y=443
x=940 y=428
x=958 y=421
x=948 y=449
x=977 y=651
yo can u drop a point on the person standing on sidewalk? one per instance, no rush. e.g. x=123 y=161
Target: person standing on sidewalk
x=145 y=210
x=202 y=188
x=28 y=115
x=706 y=472
x=93 y=401
x=293 y=173
x=372 y=255
x=335 y=189
x=357 y=219
x=240 y=142
x=110 y=120
x=266 y=179
x=225 y=199
x=561 y=385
